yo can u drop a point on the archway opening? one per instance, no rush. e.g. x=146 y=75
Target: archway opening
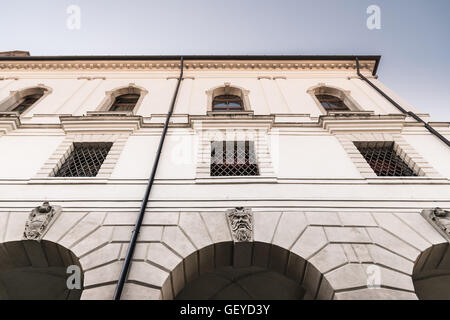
x=246 y=271
x=431 y=275
x=33 y=270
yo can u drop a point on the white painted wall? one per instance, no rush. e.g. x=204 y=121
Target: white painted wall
x=73 y=94
x=306 y=157
x=433 y=150
x=22 y=156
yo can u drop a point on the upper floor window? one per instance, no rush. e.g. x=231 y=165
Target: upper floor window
x=227 y=102
x=125 y=102
x=126 y=99
x=21 y=101
x=332 y=103
x=228 y=98
x=332 y=99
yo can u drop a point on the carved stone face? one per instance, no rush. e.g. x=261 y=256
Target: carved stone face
x=241 y=224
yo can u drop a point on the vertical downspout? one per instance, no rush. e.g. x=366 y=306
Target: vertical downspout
x=402 y=110
x=137 y=227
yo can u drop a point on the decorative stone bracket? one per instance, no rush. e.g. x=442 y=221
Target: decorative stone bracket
x=240 y=221
x=40 y=220
x=440 y=220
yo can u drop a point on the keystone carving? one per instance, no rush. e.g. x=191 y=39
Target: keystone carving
x=240 y=221
x=440 y=220
x=40 y=220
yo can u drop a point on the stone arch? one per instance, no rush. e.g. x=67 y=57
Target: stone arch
x=32 y=270
x=111 y=95
x=85 y=235
x=247 y=270
x=338 y=250
x=344 y=95
x=7 y=104
x=431 y=273
x=227 y=88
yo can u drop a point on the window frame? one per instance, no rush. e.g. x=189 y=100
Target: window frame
x=52 y=165
x=393 y=148
x=402 y=147
x=343 y=95
x=228 y=89
x=249 y=154
x=116 y=102
x=73 y=149
x=111 y=95
x=15 y=98
x=228 y=98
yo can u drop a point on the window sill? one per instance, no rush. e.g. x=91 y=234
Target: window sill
x=109 y=113
x=229 y=113
x=9 y=114
x=349 y=113
x=71 y=180
x=236 y=180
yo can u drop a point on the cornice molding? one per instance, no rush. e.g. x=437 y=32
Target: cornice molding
x=127 y=124
x=20 y=66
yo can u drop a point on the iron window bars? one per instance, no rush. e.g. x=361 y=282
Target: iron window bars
x=85 y=159
x=384 y=160
x=227 y=103
x=27 y=102
x=125 y=102
x=332 y=103
x=233 y=158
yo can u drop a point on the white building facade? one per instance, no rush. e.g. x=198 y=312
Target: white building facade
x=279 y=178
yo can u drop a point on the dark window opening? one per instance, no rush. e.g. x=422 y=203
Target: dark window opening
x=125 y=102
x=85 y=159
x=27 y=102
x=233 y=158
x=332 y=103
x=384 y=160
x=227 y=103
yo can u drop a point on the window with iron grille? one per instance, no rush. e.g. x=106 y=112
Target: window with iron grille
x=85 y=159
x=27 y=102
x=233 y=158
x=384 y=160
x=125 y=102
x=332 y=103
x=227 y=103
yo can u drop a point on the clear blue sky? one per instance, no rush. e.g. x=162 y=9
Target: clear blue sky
x=413 y=40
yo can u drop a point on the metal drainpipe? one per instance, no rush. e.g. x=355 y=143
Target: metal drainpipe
x=137 y=227
x=408 y=113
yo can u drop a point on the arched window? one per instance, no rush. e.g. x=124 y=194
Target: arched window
x=332 y=103
x=125 y=102
x=228 y=98
x=124 y=99
x=227 y=102
x=332 y=99
x=27 y=102
x=23 y=100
